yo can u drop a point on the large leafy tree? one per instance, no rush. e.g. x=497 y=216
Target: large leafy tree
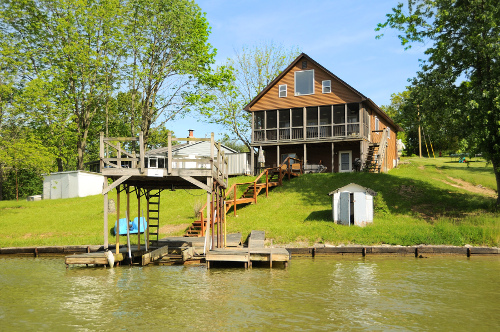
x=73 y=46
x=252 y=69
x=169 y=60
x=459 y=84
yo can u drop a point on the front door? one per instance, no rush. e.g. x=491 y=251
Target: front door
x=345 y=161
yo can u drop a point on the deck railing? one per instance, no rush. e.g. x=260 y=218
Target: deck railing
x=287 y=168
x=118 y=152
x=334 y=131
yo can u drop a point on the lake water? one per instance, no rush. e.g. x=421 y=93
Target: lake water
x=334 y=293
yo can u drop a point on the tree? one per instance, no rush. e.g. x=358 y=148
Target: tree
x=252 y=68
x=73 y=46
x=459 y=84
x=170 y=60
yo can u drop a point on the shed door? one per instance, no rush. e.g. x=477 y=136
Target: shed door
x=345 y=205
x=359 y=208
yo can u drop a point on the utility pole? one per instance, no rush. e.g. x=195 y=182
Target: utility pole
x=419 y=135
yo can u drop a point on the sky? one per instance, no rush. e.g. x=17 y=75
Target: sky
x=338 y=34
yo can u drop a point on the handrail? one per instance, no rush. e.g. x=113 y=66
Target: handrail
x=233 y=188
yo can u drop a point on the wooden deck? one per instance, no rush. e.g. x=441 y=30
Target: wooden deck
x=256 y=252
x=247 y=256
x=94 y=258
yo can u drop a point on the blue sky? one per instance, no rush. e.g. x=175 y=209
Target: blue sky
x=338 y=34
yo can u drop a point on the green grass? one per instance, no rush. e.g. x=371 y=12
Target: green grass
x=413 y=206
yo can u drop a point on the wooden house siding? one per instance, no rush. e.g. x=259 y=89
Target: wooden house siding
x=320 y=141
x=391 y=153
x=340 y=93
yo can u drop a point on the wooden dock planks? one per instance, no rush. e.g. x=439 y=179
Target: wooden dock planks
x=95 y=258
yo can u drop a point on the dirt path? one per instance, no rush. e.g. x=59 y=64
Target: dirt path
x=479 y=189
x=169 y=229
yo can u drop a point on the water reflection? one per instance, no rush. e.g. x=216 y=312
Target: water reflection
x=338 y=293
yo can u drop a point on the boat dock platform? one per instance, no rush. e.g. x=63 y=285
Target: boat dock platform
x=255 y=252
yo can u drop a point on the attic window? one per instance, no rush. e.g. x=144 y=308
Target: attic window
x=327 y=86
x=304 y=64
x=282 y=91
x=304 y=82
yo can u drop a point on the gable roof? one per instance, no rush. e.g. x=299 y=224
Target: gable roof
x=184 y=148
x=353 y=187
x=303 y=55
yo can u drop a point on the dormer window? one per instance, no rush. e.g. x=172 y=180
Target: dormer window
x=304 y=82
x=327 y=86
x=282 y=91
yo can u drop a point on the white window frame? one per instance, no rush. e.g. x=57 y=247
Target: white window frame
x=388 y=133
x=295 y=82
x=324 y=86
x=282 y=88
x=377 y=123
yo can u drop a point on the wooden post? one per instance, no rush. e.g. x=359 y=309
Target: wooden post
x=255 y=192
x=118 y=219
x=101 y=154
x=213 y=214
x=127 y=216
x=141 y=152
x=169 y=153
x=278 y=163
x=288 y=168
x=305 y=154
x=147 y=217
x=333 y=157
x=234 y=200
x=138 y=192
x=105 y=215
x=267 y=183
x=119 y=155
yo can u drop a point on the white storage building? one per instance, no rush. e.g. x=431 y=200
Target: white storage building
x=72 y=184
x=352 y=205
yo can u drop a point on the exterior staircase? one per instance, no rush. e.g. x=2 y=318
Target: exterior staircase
x=376 y=153
x=270 y=177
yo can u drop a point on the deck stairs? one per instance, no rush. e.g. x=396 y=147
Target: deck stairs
x=376 y=154
x=269 y=178
x=153 y=198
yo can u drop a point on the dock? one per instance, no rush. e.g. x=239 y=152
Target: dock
x=255 y=252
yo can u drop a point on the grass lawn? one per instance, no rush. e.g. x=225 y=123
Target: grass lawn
x=423 y=201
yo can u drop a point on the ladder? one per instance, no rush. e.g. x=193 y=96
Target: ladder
x=153 y=198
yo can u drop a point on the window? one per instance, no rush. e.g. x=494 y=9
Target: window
x=312 y=116
x=376 y=123
x=388 y=132
x=297 y=117
x=353 y=112
x=259 y=120
x=272 y=119
x=284 y=118
x=304 y=64
x=338 y=114
x=282 y=93
x=327 y=86
x=304 y=82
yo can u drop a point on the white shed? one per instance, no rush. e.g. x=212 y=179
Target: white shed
x=72 y=184
x=352 y=205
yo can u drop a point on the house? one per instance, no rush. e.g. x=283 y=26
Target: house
x=309 y=113
x=156 y=158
